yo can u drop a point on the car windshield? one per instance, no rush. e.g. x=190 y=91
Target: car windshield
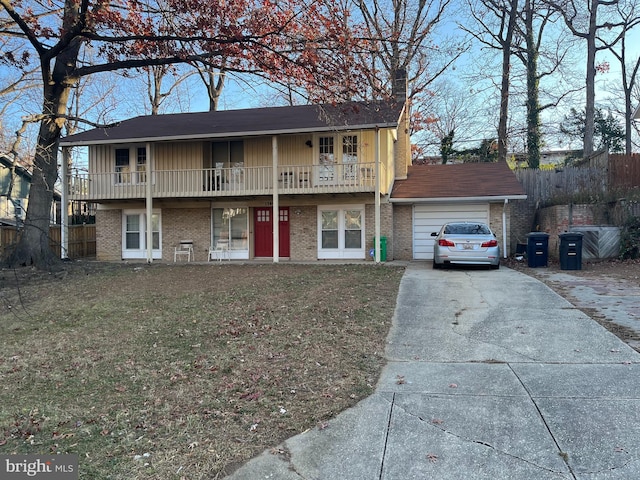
x=466 y=229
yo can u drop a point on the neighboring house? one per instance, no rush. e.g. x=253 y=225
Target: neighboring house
x=323 y=174
x=549 y=157
x=13 y=208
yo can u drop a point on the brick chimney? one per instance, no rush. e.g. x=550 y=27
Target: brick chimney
x=399 y=88
x=402 y=158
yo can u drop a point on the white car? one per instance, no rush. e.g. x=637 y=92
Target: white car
x=466 y=243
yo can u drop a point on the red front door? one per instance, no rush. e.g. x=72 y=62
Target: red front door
x=263 y=224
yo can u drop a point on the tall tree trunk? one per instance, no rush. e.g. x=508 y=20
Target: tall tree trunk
x=533 y=107
x=589 y=124
x=504 y=88
x=214 y=87
x=33 y=242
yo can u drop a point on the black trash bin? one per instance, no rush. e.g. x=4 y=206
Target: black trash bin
x=537 y=249
x=570 y=251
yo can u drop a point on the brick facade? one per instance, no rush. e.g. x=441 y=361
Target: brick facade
x=402 y=155
x=403 y=232
x=386 y=228
x=303 y=231
x=560 y=218
x=186 y=224
x=495 y=223
x=194 y=223
x=109 y=235
x=522 y=219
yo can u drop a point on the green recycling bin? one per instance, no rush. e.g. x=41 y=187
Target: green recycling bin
x=383 y=248
x=570 y=251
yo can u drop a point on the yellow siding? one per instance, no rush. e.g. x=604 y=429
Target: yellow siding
x=257 y=152
x=101 y=159
x=178 y=156
x=293 y=151
x=166 y=156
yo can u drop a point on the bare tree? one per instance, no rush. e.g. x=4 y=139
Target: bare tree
x=628 y=69
x=498 y=35
x=455 y=109
x=543 y=57
x=590 y=25
x=214 y=82
x=402 y=37
x=267 y=37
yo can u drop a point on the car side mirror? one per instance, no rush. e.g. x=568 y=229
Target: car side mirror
x=434 y=234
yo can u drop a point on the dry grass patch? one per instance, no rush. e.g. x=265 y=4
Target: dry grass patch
x=185 y=371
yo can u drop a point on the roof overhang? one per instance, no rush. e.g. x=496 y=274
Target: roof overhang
x=492 y=199
x=260 y=133
x=636 y=114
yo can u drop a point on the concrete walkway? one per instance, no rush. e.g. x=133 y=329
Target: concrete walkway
x=490 y=375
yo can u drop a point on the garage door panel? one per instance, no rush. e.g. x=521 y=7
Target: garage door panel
x=430 y=218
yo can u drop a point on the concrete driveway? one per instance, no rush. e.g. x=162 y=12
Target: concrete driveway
x=490 y=375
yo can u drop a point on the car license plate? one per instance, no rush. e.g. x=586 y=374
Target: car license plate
x=468 y=246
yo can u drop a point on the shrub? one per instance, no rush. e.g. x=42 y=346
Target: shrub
x=630 y=238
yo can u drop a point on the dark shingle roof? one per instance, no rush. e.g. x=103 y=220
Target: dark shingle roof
x=467 y=180
x=246 y=122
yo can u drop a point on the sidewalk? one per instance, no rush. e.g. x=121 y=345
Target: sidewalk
x=490 y=375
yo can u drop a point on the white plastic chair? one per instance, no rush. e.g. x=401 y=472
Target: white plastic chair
x=184 y=249
x=220 y=251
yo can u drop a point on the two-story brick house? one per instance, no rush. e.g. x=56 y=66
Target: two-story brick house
x=321 y=173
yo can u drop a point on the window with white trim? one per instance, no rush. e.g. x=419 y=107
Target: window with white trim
x=341 y=232
x=134 y=234
x=230 y=227
x=338 y=157
x=130 y=165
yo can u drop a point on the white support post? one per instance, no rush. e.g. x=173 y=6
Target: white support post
x=149 y=205
x=377 y=242
x=276 y=202
x=64 y=208
x=504 y=228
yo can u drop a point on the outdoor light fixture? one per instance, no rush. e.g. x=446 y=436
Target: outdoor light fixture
x=308 y=144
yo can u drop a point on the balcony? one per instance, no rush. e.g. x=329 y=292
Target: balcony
x=224 y=182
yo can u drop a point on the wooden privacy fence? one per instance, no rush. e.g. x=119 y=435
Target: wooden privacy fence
x=604 y=173
x=82 y=240
x=624 y=170
x=543 y=186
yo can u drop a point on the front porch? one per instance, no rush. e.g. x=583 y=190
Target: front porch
x=224 y=182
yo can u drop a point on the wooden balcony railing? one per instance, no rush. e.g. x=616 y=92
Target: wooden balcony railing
x=221 y=182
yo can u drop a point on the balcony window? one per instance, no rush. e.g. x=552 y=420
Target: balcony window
x=350 y=156
x=123 y=171
x=338 y=166
x=228 y=159
x=128 y=172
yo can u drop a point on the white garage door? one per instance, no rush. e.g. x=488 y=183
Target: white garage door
x=430 y=218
